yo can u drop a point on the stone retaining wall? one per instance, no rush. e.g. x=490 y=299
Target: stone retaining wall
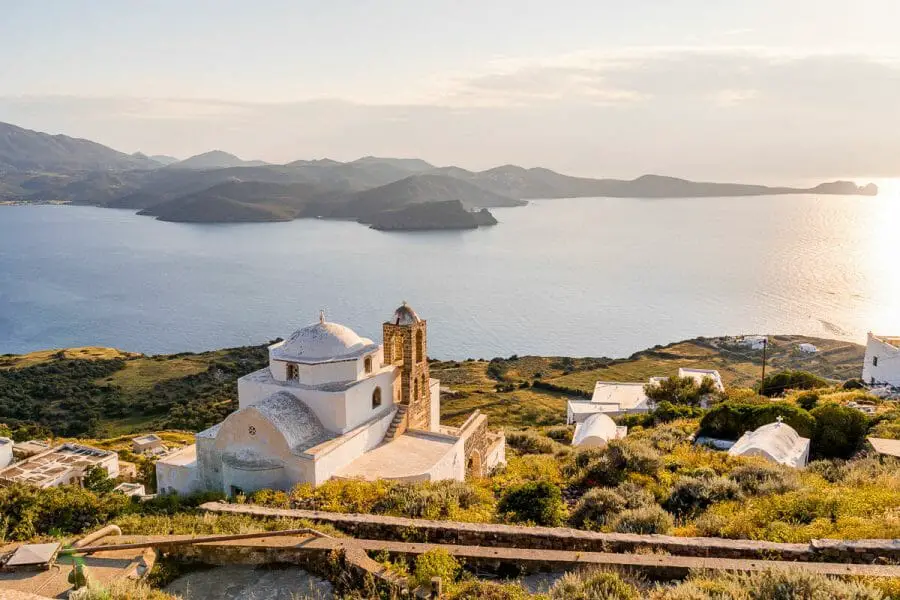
x=375 y=527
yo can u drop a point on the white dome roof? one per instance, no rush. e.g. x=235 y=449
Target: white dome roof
x=405 y=315
x=594 y=431
x=323 y=342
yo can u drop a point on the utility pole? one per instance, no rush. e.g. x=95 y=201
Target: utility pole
x=762 y=381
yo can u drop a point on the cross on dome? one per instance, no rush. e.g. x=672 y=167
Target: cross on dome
x=322 y=316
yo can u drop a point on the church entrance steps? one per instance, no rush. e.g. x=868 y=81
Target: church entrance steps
x=488 y=535
x=317 y=554
x=398 y=424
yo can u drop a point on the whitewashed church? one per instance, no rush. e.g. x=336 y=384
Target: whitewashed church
x=332 y=404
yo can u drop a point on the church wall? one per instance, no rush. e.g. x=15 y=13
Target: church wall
x=209 y=464
x=452 y=465
x=179 y=479
x=250 y=480
x=327 y=464
x=267 y=440
x=435 y=390
x=359 y=399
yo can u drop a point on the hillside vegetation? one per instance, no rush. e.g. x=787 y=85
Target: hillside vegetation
x=101 y=392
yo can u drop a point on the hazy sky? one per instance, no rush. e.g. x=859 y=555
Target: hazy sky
x=779 y=90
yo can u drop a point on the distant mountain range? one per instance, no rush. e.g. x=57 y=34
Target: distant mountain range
x=220 y=187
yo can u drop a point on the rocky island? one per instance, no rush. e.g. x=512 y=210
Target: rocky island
x=450 y=214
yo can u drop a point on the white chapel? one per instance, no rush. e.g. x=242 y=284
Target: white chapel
x=334 y=404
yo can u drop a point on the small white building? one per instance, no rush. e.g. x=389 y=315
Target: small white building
x=807 y=348
x=62 y=465
x=334 y=404
x=147 y=444
x=753 y=342
x=612 y=398
x=882 y=362
x=131 y=489
x=6 y=453
x=596 y=431
x=776 y=442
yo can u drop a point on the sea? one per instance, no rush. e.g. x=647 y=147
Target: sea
x=573 y=277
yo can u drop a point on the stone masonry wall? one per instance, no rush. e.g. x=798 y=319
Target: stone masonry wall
x=377 y=527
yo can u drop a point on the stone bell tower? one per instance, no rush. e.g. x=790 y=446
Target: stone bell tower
x=405 y=346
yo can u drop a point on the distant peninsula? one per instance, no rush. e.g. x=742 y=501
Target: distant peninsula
x=396 y=194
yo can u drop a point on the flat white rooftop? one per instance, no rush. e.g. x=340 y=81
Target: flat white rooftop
x=626 y=395
x=182 y=457
x=44 y=469
x=409 y=456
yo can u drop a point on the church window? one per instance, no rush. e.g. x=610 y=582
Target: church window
x=293 y=372
x=416 y=390
x=251 y=430
x=376 y=398
x=368 y=364
x=420 y=347
x=874 y=361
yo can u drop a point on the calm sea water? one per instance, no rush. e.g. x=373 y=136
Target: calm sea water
x=571 y=277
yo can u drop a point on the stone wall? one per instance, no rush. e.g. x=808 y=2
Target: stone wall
x=376 y=527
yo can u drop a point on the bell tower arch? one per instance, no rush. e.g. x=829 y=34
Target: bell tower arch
x=406 y=346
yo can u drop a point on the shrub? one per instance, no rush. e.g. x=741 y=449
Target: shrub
x=692 y=495
x=778 y=383
x=808 y=400
x=538 y=502
x=634 y=495
x=596 y=507
x=529 y=442
x=436 y=563
x=650 y=519
x=561 y=433
x=731 y=420
x=766 y=585
x=438 y=500
x=488 y=590
x=764 y=478
x=121 y=589
x=595 y=584
x=680 y=390
x=854 y=384
x=620 y=458
x=840 y=431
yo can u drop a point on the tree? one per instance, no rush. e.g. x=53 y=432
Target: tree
x=730 y=420
x=538 y=502
x=680 y=390
x=840 y=431
x=778 y=383
x=96 y=479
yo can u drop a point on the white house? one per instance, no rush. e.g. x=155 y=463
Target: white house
x=753 y=342
x=334 y=404
x=147 y=444
x=612 y=398
x=776 y=442
x=616 y=398
x=596 y=431
x=807 y=348
x=882 y=363
x=63 y=465
x=6 y=453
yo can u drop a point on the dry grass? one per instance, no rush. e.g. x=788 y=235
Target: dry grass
x=18 y=361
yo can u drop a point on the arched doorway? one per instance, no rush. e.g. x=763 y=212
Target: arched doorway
x=474 y=467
